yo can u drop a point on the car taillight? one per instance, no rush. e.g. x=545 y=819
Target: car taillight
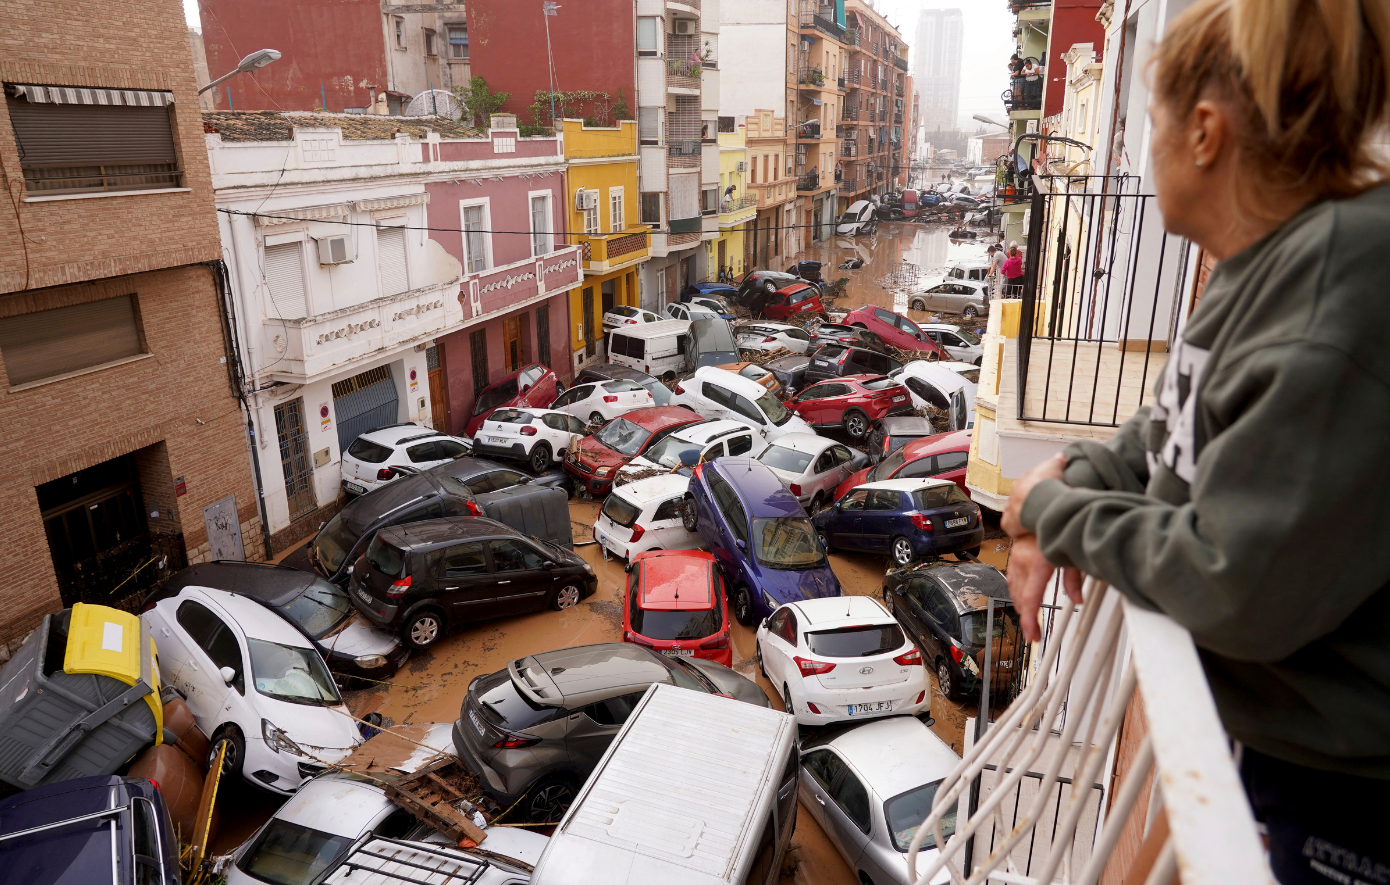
x=474 y=509
x=385 y=473
x=907 y=659
x=956 y=654
x=397 y=589
x=515 y=741
x=155 y=783
x=680 y=389
x=921 y=521
x=637 y=532
x=720 y=641
x=795 y=489
x=812 y=668
x=631 y=322
x=629 y=636
x=813 y=708
x=920 y=697
x=886 y=441
x=528 y=430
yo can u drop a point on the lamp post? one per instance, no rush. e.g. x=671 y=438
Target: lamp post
x=253 y=62
x=983 y=119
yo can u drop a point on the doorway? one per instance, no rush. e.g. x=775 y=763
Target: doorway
x=294 y=458
x=511 y=342
x=439 y=397
x=97 y=533
x=590 y=339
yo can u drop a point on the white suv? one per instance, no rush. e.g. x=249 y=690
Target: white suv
x=961 y=344
x=368 y=461
x=645 y=515
x=540 y=437
x=711 y=439
x=718 y=393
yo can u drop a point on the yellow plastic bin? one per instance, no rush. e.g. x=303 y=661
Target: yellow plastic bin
x=80 y=698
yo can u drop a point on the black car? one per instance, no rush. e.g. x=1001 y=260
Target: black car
x=661 y=394
x=411 y=498
x=942 y=607
x=425 y=577
x=892 y=433
x=761 y=283
x=532 y=505
x=484 y=477
x=839 y=360
x=790 y=372
x=321 y=611
x=852 y=336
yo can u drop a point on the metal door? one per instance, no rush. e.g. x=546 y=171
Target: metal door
x=294 y=458
x=364 y=402
x=224 y=530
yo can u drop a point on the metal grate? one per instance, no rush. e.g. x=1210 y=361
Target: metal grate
x=294 y=458
x=477 y=350
x=432 y=357
x=361 y=382
x=543 y=334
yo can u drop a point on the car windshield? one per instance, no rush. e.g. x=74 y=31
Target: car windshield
x=713 y=335
x=667 y=453
x=939 y=496
x=856 y=642
x=288 y=854
x=319 y=610
x=772 y=407
x=623 y=437
x=968 y=336
x=787 y=542
x=333 y=543
x=496 y=396
x=296 y=675
x=906 y=811
x=783 y=458
x=659 y=624
x=880 y=384
x=621 y=511
x=369 y=452
x=888 y=466
x=622 y=310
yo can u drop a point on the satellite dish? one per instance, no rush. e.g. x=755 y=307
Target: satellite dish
x=435 y=103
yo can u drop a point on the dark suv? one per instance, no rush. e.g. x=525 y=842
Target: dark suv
x=424 y=577
x=838 y=360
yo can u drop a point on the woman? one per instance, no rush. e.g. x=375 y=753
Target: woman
x=1012 y=269
x=1250 y=501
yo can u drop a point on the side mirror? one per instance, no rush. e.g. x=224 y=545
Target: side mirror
x=837 y=505
x=549 y=564
x=738 y=542
x=228 y=674
x=526 y=388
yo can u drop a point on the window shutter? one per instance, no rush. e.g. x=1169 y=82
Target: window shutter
x=390 y=244
x=48 y=343
x=84 y=135
x=284 y=275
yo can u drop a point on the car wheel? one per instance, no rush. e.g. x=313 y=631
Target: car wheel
x=787 y=700
x=902 y=551
x=887 y=599
x=816 y=505
x=559 y=388
x=595 y=418
x=235 y=754
x=540 y=458
x=689 y=517
x=979 y=360
x=424 y=628
x=567 y=597
x=743 y=606
x=944 y=680
x=548 y=800
x=824 y=539
x=856 y=424
x=758 y=653
x=919 y=305
x=970 y=312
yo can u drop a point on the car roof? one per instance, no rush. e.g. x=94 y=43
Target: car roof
x=676 y=580
x=787 y=361
x=952 y=441
x=254 y=619
x=398 y=433
x=896 y=754
x=969 y=583
x=732 y=380
x=340 y=804
x=654 y=330
x=806 y=443
x=858 y=205
x=928 y=371
x=776 y=327
x=612 y=371
x=426 y=532
x=656 y=418
x=362 y=512
x=944 y=327
x=595 y=671
x=761 y=490
x=831 y=611
x=795 y=287
x=511 y=376
x=644 y=491
x=263 y=581
x=912 y=484
x=707 y=430
x=901 y=425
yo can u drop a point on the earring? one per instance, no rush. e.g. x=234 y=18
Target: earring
x=1198 y=162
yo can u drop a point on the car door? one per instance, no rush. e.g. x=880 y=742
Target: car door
x=847 y=527
x=668 y=530
x=556 y=433
x=213 y=646
x=822 y=770
x=423 y=455
x=463 y=581
x=716 y=401
x=565 y=401
x=939 y=615
x=523 y=581
x=840 y=466
x=905 y=604
x=849 y=815
x=937 y=296
x=880 y=509
x=740 y=444
x=591 y=729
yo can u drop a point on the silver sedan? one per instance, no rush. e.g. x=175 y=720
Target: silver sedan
x=812 y=466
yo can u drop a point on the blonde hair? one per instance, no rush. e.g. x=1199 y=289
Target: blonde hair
x=1309 y=80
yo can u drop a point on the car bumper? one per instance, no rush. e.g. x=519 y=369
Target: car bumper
x=491 y=781
x=515 y=451
x=379 y=613
x=284 y=773
x=354 y=487
x=346 y=665
x=835 y=704
x=588 y=481
x=938 y=543
x=620 y=549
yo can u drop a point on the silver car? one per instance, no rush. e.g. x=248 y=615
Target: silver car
x=965 y=297
x=871 y=787
x=535 y=730
x=812 y=466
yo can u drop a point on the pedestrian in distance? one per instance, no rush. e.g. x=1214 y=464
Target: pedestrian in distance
x=1249 y=501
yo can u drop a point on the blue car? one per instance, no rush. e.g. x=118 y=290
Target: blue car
x=760 y=536
x=906 y=518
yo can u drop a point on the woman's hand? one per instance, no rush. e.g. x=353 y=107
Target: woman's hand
x=1052 y=468
x=1029 y=571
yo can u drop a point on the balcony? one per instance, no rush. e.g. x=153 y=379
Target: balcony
x=604 y=253
x=849 y=149
x=850 y=79
x=900 y=63
x=1025 y=94
x=850 y=113
x=811 y=181
x=808 y=131
x=849 y=185
x=687 y=225
x=851 y=37
x=811 y=75
x=683 y=153
x=823 y=23
x=899 y=90
x=735 y=210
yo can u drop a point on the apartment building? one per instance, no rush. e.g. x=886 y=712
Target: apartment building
x=821 y=63
x=939 y=47
x=738 y=207
x=873 y=113
x=124 y=434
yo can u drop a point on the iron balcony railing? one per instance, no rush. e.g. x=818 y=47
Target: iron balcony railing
x=900 y=63
x=823 y=23
x=811 y=75
x=852 y=37
x=1024 y=94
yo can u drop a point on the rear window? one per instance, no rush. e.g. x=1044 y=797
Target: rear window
x=288 y=854
x=385 y=558
x=510 y=416
x=830 y=353
x=782 y=458
x=495 y=397
x=505 y=706
x=906 y=812
x=972 y=625
x=321 y=608
x=368 y=451
x=620 y=511
x=939 y=496
x=880 y=384
x=623 y=310
x=855 y=642
x=677 y=625
x=754 y=371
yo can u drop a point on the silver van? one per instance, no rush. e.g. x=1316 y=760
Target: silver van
x=659 y=349
x=697 y=789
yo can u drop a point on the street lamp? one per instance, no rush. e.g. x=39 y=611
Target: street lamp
x=983 y=119
x=253 y=62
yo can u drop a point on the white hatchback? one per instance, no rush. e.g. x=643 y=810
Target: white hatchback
x=841 y=658
x=687 y=311
x=367 y=463
x=254 y=684
x=718 y=393
x=708 y=439
x=623 y=315
x=961 y=344
x=602 y=401
x=645 y=515
x=812 y=467
x=540 y=437
x=767 y=337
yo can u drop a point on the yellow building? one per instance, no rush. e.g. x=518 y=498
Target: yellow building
x=737 y=207
x=604 y=210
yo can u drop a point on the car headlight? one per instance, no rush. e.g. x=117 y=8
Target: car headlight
x=588 y=568
x=368 y=662
x=603 y=471
x=277 y=740
x=769 y=601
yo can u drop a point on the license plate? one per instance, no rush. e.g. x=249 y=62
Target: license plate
x=354 y=487
x=365 y=597
x=898 y=399
x=497 y=439
x=957 y=523
x=477 y=724
x=678 y=652
x=875 y=707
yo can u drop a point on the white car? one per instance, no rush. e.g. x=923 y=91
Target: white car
x=841 y=658
x=540 y=437
x=315 y=830
x=962 y=344
x=367 y=463
x=603 y=400
x=812 y=467
x=858 y=219
x=255 y=685
x=623 y=315
x=766 y=337
x=932 y=385
x=708 y=439
x=687 y=311
x=719 y=393
x=645 y=515
x=966 y=297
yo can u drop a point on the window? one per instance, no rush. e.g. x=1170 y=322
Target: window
x=475 y=238
x=400 y=33
x=741 y=445
x=761 y=869
x=461 y=560
x=726 y=124
x=709 y=201
x=118 y=140
x=591 y=216
x=513 y=555
x=477 y=349
x=649 y=125
x=540 y=225
x=50 y=343
x=458 y=42
x=617 y=221
x=651 y=208
x=423 y=453
x=648 y=36
x=853 y=800
x=668 y=510
x=495 y=479
x=287 y=852
x=145 y=836
x=429 y=42
x=614 y=711
x=951 y=461
x=824 y=766
x=543 y=334
x=390 y=247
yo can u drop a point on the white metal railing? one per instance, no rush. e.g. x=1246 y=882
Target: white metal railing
x=1066 y=721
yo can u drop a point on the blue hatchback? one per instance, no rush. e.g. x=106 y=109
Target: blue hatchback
x=760 y=536
x=905 y=518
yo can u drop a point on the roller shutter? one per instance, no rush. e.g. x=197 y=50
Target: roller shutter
x=390 y=245
x=284 y=274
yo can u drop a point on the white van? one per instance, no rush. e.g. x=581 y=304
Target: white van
x=696 y=789
x=655 y=348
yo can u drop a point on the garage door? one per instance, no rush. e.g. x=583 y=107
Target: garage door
x=364 y=402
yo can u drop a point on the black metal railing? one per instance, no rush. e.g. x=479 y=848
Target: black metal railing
x=1102 y=288
x=899 y=62
x=811 y=75
x=823 y=24
x=1025 y=94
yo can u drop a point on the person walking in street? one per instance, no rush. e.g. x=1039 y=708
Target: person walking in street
x=1251 y=501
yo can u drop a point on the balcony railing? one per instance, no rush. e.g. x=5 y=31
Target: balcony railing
x=809 y=182
x=737 y=204
x=811 y=75
x=823 y=24
x=849 y=185
x=683 y=153
x=1025 y=94
x=685 y=62
x=850 y=113
x=849 y=148
x=900 y=63
x=851 y=79
x=809 y=130
x=603 y=251
x=852 y=37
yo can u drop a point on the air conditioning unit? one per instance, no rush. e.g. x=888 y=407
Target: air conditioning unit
x=805 y=45
x=336 y=250
x=741 y=167
x=585 y=200
x=683 y=26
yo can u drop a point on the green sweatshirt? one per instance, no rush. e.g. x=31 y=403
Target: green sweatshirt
x=1251 y=502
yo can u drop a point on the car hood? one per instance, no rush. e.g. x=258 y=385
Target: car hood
x=357 y=637
x=595 y=453
x=328 y=733
x=790 y=586
x=730 y=683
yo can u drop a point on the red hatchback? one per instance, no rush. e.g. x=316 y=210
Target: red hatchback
x=853 y=402
x=941 y=457
x=534 y=386
x=675 y=605
x=895 y=329
x=596 y=460
x=793 y=300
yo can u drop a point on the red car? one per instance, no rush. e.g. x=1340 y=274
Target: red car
x=532 y=385
x=895 y=330
x=676 y=605
x=793 y=300
x=942 y=457
x=853 y=402
x=596 y=460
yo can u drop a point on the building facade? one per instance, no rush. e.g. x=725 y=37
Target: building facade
x=874 y=104
x=936 y=72
x=124 y=434
x=730 y=254
x=821 y=62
